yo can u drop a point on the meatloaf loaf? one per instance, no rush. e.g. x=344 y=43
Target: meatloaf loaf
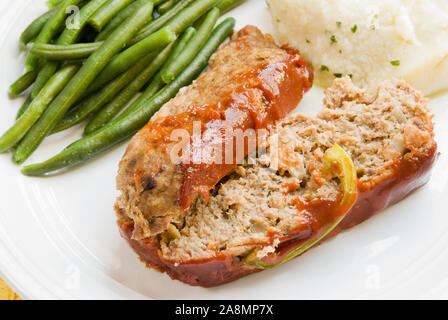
x=250 y=84
x=257 y=212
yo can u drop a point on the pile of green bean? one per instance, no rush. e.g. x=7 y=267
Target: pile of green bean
x=87 y=65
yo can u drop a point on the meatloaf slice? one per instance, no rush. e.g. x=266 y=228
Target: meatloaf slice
x=250 y=84
x=389 y=136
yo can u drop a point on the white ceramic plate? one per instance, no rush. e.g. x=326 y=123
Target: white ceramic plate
x=58 y=237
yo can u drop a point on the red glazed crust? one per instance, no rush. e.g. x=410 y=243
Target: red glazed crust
x=409 y=174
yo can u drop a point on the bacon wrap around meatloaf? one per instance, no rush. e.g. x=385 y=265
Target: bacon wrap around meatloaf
x=389 y=136
x=250 y=84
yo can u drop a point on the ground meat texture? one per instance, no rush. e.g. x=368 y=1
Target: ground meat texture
x=388 y=134
x=250 y=84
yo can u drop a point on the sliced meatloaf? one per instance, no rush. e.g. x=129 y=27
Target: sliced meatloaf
x=250 y=84
x=263 y=212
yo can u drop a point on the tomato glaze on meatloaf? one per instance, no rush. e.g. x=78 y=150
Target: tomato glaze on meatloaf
x=250 y=84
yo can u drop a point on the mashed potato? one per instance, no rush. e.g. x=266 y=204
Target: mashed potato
x=370 y=40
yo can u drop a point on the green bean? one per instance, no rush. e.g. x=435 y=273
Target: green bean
x=118 y=19
x=99 y=99
x=192 y=48
x=23 y=83
x=47 y=71
x=166 y=6
x=130 y=56
x=157 y=83
x=110 y=135
x=54 y=52
x=50 y=29
x=178 y=24
x=26 y=104
x=161 y=21
x=107 y=13
x=154 y=87
x=68 y=36
x=190 y=14
x=180 y=45
x=118 y=103
x=226 y=5
x=157 y=2
x=111 y=110
x=54 y=3
x=35 y=27
x=78 y=85
x=36 y=108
